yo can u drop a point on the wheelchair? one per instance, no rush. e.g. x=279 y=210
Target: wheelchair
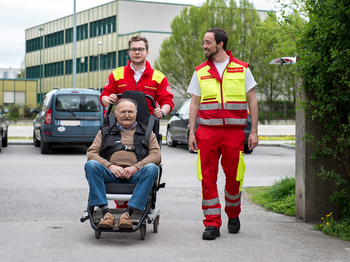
x=121 y=193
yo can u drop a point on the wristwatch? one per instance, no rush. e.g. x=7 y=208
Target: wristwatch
x=163 y=114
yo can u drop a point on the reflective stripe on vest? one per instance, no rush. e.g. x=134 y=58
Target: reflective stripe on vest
x=210 y=202
x=232 y=106
x=219 y=122
x=210 y=122
x=235 y=121
x=212 y=211
x=228 y=106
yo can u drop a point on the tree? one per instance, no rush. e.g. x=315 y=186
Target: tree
x=182 y=51
x=22 y=70
x=324 y=49
x=274 y=81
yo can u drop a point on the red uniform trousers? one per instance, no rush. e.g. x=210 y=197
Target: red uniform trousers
x=214 y=142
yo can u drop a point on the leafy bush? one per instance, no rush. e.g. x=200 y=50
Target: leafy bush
x=14 y=111
x=26 y=112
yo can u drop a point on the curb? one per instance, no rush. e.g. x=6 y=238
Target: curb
x=20 y=142
x=277 y=145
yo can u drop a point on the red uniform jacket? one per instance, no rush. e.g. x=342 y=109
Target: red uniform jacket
x=152 y=82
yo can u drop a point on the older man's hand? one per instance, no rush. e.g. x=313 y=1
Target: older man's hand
x=129 y=172
x=117 y=171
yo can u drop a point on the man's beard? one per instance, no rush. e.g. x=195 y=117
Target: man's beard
x=211 y=54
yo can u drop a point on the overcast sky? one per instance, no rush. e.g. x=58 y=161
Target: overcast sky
x=17 y=15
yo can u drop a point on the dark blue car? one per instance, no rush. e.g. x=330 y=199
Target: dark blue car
x=67 y=116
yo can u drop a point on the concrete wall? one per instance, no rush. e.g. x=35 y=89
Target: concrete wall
x=311 y=192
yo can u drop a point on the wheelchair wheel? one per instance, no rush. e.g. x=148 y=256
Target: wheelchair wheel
x=143 y=231
x=156 y=224
x=97 y=234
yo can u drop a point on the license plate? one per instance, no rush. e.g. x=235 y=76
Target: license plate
x=69 y=122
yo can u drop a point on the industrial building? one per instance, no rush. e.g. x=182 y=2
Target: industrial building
x=101 y=31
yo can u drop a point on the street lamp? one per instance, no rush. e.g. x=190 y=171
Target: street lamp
x=99 y=66
x=41 y=47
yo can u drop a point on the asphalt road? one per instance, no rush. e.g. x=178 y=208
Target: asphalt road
x=264 y=130
x=44 y=196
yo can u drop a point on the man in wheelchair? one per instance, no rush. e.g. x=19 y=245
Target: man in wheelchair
x=119 y=155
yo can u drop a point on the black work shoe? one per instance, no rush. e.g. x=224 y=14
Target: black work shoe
x=233 y=225
x=211 y=233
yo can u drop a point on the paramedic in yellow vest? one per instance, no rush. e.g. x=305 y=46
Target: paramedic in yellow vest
x=222 y=91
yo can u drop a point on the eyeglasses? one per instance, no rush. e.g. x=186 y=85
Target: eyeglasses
x=140 y=50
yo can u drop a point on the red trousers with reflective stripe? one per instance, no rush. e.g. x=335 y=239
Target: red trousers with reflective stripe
x=213 y=143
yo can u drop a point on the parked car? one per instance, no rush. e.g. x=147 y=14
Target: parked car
x=4 y=124
x=178 y=128
x=67 y=116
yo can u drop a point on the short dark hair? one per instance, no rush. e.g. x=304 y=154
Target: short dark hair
x=220 y=35
x=138 y=38
x=124 y=100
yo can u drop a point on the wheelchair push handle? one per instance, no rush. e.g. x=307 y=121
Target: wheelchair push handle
x=119 y=96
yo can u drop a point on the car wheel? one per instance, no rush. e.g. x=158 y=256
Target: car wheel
x=45 y=147
x=169 y=139
x=246 y=150
x=35 y=140
x=5 y=140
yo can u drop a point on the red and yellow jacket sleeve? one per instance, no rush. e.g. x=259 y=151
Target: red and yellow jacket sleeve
x=164 y=96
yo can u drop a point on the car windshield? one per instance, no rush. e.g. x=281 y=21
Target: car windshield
x=78 y=103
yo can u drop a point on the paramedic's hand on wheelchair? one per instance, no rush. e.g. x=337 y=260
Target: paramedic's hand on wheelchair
x=111 y=99
x=122 y=173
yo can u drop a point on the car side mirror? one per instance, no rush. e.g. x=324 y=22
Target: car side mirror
x=33 y=111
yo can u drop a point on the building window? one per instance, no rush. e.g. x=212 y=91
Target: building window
x=20 y=97
x=5 y=75
x=9 y=97
x=54 y=69
x=69 y=67
x=103 y=26
x=82 y=33
x=123 y=57
x=69 y=35
x=34 y=71
x=34 y=44
x=107 y=61
x=54 y=39
x=82 y=65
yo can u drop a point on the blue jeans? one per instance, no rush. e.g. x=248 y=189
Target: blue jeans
x=97 y=175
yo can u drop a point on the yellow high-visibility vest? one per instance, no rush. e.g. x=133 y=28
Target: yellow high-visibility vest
x=223 y=101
